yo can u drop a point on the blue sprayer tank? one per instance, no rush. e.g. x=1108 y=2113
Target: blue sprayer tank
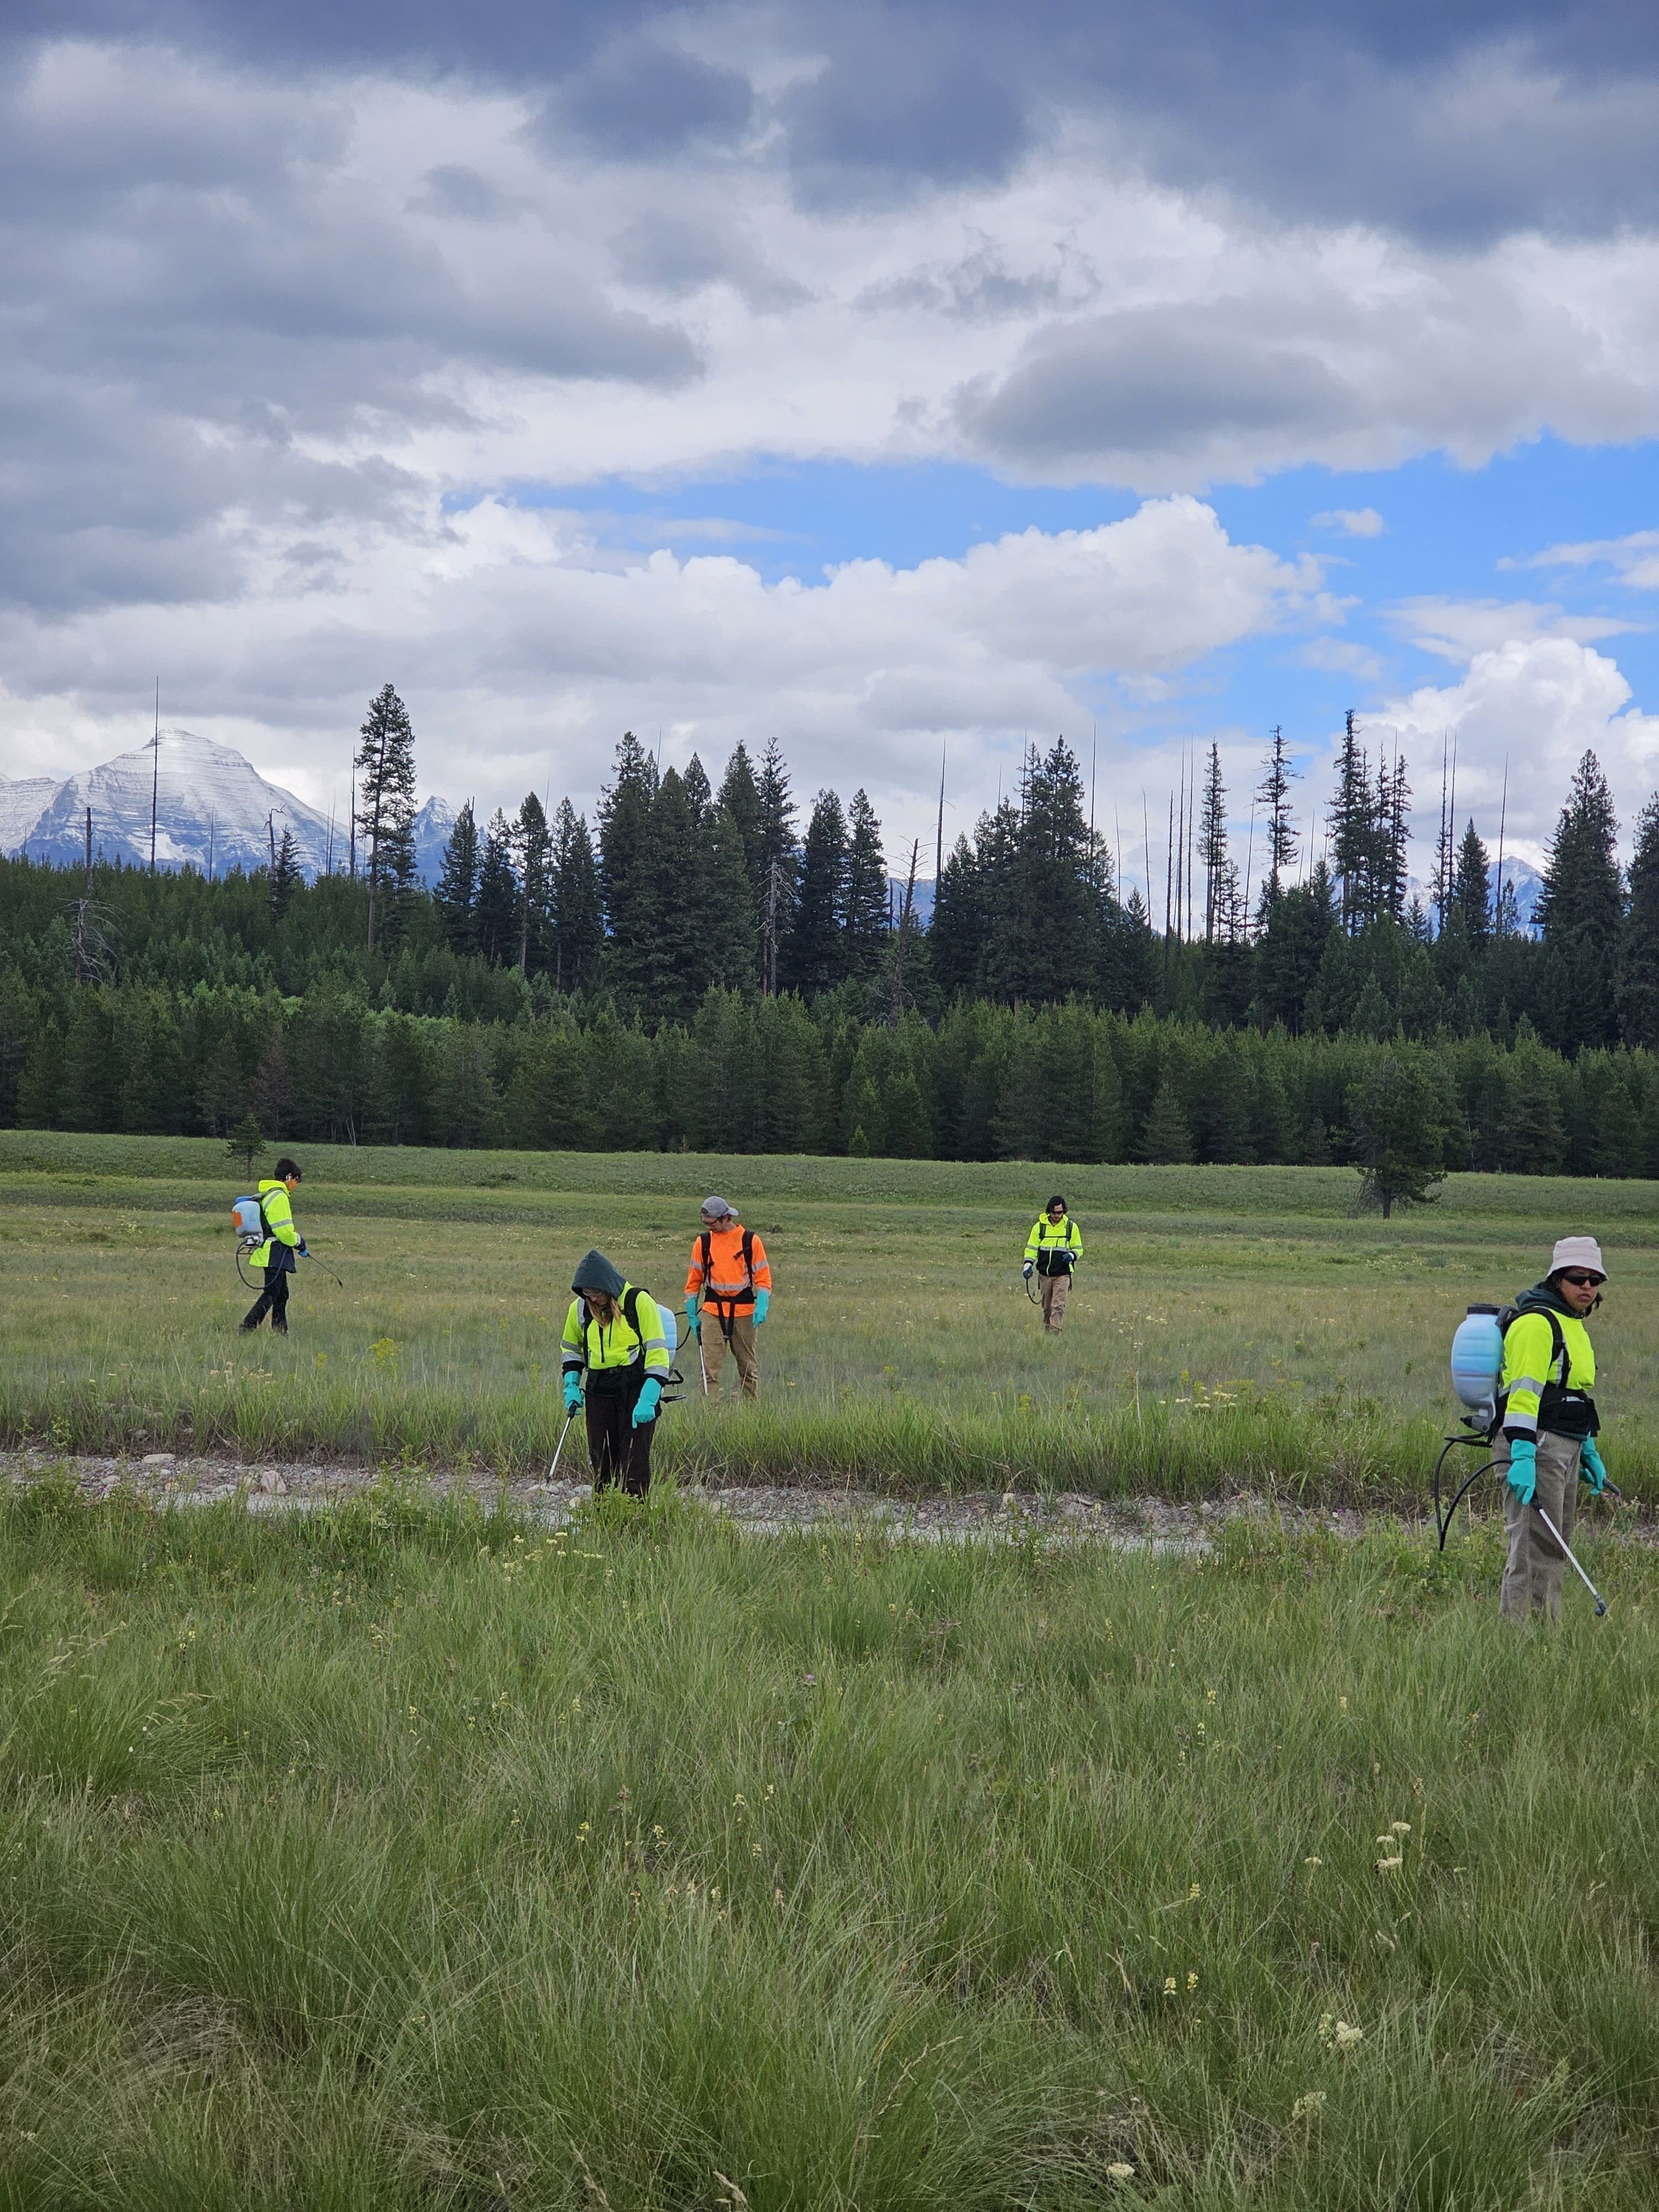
x=1477 y=1360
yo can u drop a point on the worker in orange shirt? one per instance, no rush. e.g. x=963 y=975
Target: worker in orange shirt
x=728 y=1278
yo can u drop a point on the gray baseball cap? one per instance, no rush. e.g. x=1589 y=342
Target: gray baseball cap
x=714 y=1208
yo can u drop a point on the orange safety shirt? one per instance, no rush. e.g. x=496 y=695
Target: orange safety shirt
x=727 y=1283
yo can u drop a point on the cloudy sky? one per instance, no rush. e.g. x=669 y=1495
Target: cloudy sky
x=882 y=378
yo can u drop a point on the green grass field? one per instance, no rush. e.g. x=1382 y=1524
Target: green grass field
x=403 y=1855
x=1232 y=1326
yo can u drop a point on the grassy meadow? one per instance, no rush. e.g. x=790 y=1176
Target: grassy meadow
x=403 y=1856
x=1230 y=1327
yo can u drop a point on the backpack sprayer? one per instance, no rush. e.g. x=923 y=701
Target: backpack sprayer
x=1477 y=1371
x=247 y=1219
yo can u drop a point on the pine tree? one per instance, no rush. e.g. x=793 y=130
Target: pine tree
x=1399 y=1135
x=864 y=913
x=1167 y=1139
x=385 y=806
x=1471 y=892
x=273 y=1086
x=779 y=858
x=1352 y=828
x=1638 y=982
x=577 y=914
x=285 y=876
x=1393 y=829
x=1581 y=907
x=815 y=955
x=457 y=893
x=532 y=851
x=727 y=943
x=1274 y=797
x=699 y=797
x=497 y=913
x=740 y=798
x=625 y=872
x=667 y=974
x=1212 y=843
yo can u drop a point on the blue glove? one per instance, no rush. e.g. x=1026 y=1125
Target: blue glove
x=644 y=1405
x=1524 y=1469
x=763 y=1299
x=1590 y=1468
x=304 y=1255
x=573 y=1394
x=1026 y=1269
x=691 y=1314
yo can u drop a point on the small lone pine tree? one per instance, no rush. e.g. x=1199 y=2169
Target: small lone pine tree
x=246 y=1142
x=1399 y=1138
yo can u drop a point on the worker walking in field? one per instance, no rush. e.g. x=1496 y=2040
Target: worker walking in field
x=1549 y=1423
x=615 y=1363
x=729 y=1278
x=1053 y=1249
x=277 y=1255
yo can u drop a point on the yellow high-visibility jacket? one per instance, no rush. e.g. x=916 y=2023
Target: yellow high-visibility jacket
x=607 y=1347
x=278 y=1249
x=1531 y=1362
x=1056 y=1246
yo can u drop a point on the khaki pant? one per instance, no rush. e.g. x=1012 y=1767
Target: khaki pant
x=1055 y=1291
x=1534 y=1570
x=714 y=1347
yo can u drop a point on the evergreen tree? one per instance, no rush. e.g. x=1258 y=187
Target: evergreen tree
x=1638 y=977
x=495 y=915
x=457 y=893
x=1471 y=893
x=385 y=806
x=1352 y=829
x=625 y=870
x=1220 y=877
x=1291 y=948
x=532 y=849
x=285 y=875
x=864 y=913
x=778 y=857
x=668 y=973
x=576 y=913
x=245 y=1143
x=1274 y=797
x=1581 y=907
x=1167 y=1139
x=740 y=798
x=1399 y=1135
x=273 y=1086
x=815 y=955
x=699 y=797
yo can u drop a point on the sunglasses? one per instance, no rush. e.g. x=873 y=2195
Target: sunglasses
x=1582 y=1282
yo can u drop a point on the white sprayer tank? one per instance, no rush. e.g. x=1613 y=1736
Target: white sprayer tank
x=1477 y=1360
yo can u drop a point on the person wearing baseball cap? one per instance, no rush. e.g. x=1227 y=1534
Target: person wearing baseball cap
x=730 y=1276
x=1549 y=1423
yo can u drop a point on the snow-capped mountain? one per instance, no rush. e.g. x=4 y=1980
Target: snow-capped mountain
x=213 y=810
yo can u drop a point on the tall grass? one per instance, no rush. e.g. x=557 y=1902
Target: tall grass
x=397 y=1856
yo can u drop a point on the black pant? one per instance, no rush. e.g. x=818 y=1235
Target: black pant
x=616 y=1449
x=272 y=1300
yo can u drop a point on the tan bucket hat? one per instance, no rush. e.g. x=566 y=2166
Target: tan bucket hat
x=1579 y=1252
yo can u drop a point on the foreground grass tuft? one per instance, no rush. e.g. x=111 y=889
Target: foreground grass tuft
x=398 y=1855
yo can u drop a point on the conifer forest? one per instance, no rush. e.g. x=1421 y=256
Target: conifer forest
x=733 y=966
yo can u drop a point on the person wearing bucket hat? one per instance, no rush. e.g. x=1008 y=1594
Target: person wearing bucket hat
x=729 y=1275
x=1549 y=1423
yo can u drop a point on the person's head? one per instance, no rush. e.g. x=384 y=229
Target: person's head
x=716 y=1213
x=1056 y=1208
x=287 y=1172
x=1577 y=1272
x=597 y=1281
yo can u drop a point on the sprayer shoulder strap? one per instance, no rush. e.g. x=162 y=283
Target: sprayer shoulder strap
x=630 y=1314
x=708 y=1244
x=1508 y=1315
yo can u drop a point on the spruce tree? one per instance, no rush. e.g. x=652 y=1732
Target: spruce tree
x=1212 y=848
x=532 y=851
x=779 y=858
x=740 y=799
x=1167 y=1139
x=625 y=872
x=1399 y=1135
x=577 y=913
x=1352 y=823
x=864 y=914
x=385 y=806
x=457 y=892
x=814 y=957
x=1581 y=907
x=1638 y=979
x=699 y=797
x=1471 y=895
x=497 y=913
x=285 y=876
x=1274 y=797
x=723 y=918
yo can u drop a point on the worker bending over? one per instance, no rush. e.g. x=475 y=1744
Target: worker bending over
x=728 y=1277
x=1550 y=1424
x=277 y=1255
x=1054 y=1248
x=615 y=1362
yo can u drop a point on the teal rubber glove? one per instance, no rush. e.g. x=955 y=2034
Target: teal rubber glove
x=644 y=1405
x=763 y=1299
x=1026 y=1269
x=1524 y=1469
x=691 y=1316
x=573 y=1394
x=1591 y=1468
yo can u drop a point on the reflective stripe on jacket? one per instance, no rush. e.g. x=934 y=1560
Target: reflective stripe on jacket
x=1056 y=1246
x=613 y=1343
x=728 y=1283
x=1529 y=1356
x=278 y=1217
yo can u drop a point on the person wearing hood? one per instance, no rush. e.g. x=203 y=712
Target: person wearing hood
x=1549 y=1423
x=615 y=1361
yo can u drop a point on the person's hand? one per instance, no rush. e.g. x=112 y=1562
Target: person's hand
x=304 y=1255
x=573 y=1394
x=1026 y=1270
x=1522 y=1476
x=644 y=1405
x=762 y=1300
x=1591 y=1467
x=692 y=1320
